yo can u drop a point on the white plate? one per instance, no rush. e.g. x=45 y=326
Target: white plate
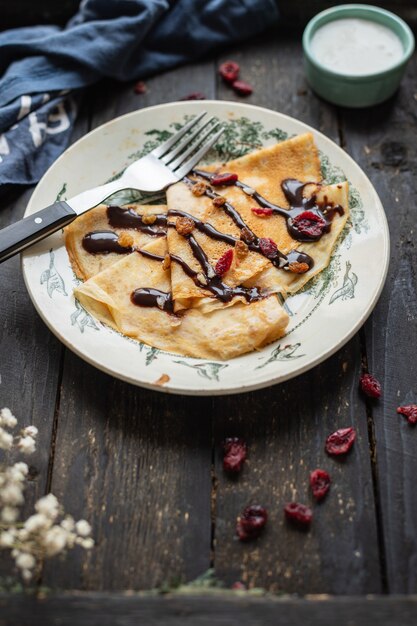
x=324 y=316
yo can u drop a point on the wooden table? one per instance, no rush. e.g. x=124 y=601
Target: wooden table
x=145 y=468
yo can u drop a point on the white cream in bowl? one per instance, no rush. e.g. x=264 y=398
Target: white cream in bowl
x=356 y=46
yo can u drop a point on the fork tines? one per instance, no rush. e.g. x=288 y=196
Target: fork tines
x=182 y=156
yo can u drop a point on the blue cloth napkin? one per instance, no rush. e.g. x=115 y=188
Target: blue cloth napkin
x=42 y=68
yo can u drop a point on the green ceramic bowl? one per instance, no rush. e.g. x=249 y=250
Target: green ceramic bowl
x=349 y=90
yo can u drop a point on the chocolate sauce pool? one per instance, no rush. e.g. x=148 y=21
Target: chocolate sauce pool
x=103 y=242
x=149 y=297
x=127 y=218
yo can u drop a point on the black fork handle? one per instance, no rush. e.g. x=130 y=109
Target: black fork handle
x=29 y=230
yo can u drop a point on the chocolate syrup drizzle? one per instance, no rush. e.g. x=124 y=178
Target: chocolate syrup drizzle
x=107 y=241
x=127 y=218
x=149 y=297
x=292 y=257
x=211 y=282
x=293 y=191
x=104 y=242
x=251 y=239
x=150 y=255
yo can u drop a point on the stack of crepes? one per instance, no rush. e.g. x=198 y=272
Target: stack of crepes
x=174 y=263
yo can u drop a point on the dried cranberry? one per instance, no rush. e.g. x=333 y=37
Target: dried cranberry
x=242 y=88
x=251 y=522
x=261 y=211
x=309 y=224
x=320 y=483
x=239 y=586
x=340 y=441
x=229 y=71
x=195 y=95
x=410 y=412
x=140 y=87
x=223 y=179
x=235 y=453
x=224 y=263
x=268 y=247
x=370 y=386
x=299 y=514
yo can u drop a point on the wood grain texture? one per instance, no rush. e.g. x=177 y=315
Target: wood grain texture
x=136 y=464
x=113 y=99
x=30 y=357
x=210 y=610
x=286 y=426
x=27 y=389
x=382 y=141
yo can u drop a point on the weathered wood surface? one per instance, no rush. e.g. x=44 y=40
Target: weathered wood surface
x=145 y=468
x=383 y=142
x=31 y=356
x=340 y=553
x=94 y=609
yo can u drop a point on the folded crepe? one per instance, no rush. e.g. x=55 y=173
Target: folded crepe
x=220 y=334
x=98 y=220
x=262 y=171
x=162 y=284
x=288 y=283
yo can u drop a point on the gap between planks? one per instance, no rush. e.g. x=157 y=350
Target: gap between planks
x=370 y=425
x=52 y=444
x=374 y=471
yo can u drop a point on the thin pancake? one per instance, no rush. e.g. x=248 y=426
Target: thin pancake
x=85 y=264
x=264 y=171
x=205 y=326
x=286 y=282
x=219 y=334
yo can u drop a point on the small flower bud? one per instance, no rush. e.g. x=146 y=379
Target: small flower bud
x=83 y=528
x=25 y=561
x=27 y=445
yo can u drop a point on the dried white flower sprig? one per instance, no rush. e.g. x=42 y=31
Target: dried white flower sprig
x=47 y=532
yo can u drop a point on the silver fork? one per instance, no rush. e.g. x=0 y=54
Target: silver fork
x=165 y=165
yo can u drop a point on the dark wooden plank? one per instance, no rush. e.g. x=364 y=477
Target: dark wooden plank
x=114 y=99
x=286 y=426
x=31 y=356
x=205 y=610
x=140 y=460
x=27 y=389
x=382 y=140
x=136 y=464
